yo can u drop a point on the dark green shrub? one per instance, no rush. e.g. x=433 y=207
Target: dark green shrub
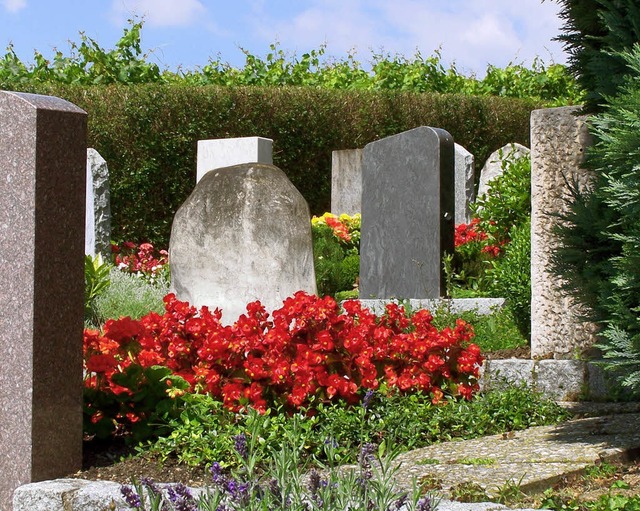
x=508 y=203
x=510 y=276
x=605 y=223
x=595 y=32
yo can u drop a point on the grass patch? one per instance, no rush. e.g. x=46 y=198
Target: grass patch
x=203 y=432
x=493 y=332
x=128 y=295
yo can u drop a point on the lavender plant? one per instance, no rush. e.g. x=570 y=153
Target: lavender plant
x=287 y=483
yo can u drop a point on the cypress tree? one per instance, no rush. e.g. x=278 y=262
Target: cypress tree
x=594 y=34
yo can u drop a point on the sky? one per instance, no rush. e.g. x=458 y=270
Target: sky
x=188 y=33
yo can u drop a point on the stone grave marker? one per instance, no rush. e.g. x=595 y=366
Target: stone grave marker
x=559 y=139
x=225 y=152
x=464 y=184
x=407 y=214
x=97 y=238
x=346 y=181
x=244 y=234
x=493 y=166
x=42 y=207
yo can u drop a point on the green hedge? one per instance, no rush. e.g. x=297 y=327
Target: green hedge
x=148 y=135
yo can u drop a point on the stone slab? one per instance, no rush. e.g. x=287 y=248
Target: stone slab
x=464 y=184
x=502 y=373
x=482 y=306
x=226 y=152
x=42 y=209
x=407 y=214
x=346 y=181
x=560 y=380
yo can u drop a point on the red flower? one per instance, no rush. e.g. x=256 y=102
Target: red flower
x=101 y=364
x=310 y=349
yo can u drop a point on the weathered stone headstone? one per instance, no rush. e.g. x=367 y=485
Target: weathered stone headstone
x=42 y=206
x=346 y=181
x=244 y=234
x=464 y=184
x=559 y=139
x=97 y=238
x=407 y=214
x=493 y=166
x=225 y=152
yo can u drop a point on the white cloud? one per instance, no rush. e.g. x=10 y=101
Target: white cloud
x=14 y=5
x=340 y=24
x=161 y=12
x=473 y=33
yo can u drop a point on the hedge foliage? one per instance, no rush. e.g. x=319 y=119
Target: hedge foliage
x=148 y=135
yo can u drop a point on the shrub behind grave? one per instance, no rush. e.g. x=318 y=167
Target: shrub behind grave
x=148 y=135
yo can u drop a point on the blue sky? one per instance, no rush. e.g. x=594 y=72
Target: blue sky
x=187 y=33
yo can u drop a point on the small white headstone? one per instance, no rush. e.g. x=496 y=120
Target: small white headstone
x=225 y=152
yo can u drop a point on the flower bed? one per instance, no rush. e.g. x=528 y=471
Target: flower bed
x=308 y=351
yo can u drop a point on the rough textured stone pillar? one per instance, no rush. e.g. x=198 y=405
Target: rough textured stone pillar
x=346 y=181
x=225 y=152
x=97 y=238
x=42 y=208
x=407 y=214
x=244 y=234
x=559 y=139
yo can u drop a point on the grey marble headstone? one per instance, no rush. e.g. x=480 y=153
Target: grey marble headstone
x=97 y=238
x=407 y=214
x=346 y=181
x=244 y=234
x=464 y=184
x=42 y=206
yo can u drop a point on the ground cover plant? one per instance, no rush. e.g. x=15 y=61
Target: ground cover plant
x=289 y=481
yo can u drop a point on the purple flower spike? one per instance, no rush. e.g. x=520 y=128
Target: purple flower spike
x=424 y=504
x=366 y=400
x=151 y=486
x=131 y=497
x=240 y=442
x=217 y=475
x=181 y=498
